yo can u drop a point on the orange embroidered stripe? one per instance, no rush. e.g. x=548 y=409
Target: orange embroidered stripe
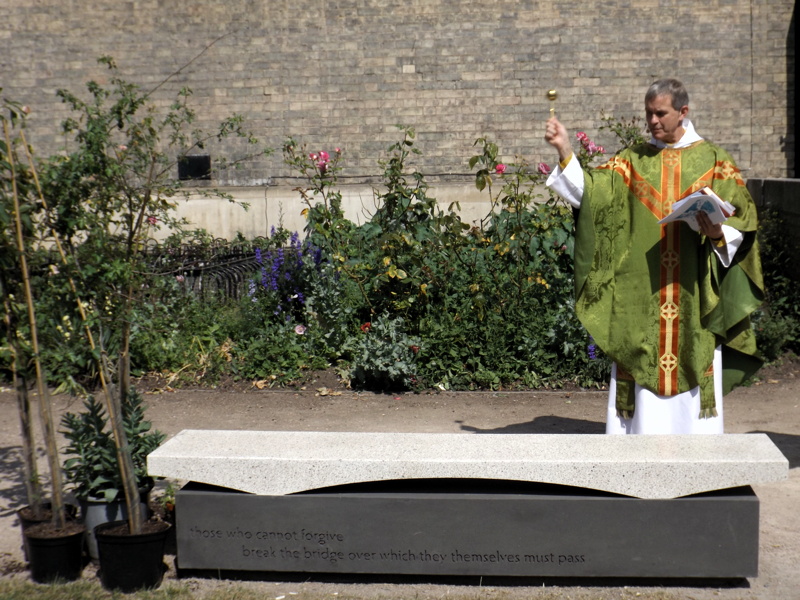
x=670 y=277
x=620 y=166
x=726 y=170
x=669 y=311
x=650 y=197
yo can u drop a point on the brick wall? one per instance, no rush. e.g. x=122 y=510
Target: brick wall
x=344 y=72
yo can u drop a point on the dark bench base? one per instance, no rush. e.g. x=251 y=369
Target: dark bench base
x=468 y=528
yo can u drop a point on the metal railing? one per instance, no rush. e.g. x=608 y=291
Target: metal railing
x=220 y=269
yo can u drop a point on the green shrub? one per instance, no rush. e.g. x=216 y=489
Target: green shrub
x=777 y=324
x=384 y=355
x=92 y=466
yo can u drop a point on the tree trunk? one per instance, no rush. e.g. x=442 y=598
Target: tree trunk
x=45 y=406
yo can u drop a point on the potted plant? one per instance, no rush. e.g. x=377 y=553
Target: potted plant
x=52 y=541
x=92 y=466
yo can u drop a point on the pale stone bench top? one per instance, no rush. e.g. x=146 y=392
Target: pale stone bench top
x=642 y=466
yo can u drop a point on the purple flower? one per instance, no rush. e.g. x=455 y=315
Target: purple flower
x=591 y=349
x=317 y=256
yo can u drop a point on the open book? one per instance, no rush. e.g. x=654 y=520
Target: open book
x=686 y=209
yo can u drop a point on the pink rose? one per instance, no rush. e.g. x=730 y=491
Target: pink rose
x=324 y=156
x=500 y=169
x=299 y=329
x=543 y=168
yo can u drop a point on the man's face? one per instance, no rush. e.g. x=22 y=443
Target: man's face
x=664 y=122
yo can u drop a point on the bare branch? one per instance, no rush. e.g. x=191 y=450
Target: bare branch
x=203 y=51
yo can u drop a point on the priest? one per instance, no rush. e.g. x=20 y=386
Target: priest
x=669 y=305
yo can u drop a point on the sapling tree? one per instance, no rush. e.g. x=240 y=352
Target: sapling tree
x=19 y=214
x=116 y=184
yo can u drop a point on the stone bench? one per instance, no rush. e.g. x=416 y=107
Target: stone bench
x=287 y=462
x=469 y=504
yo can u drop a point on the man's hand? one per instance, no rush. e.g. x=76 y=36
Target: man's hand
x=556 y=135
x=707 y=228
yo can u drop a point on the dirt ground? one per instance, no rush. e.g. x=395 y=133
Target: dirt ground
x=772 y=406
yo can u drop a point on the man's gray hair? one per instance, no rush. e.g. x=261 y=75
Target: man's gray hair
x=668 y=87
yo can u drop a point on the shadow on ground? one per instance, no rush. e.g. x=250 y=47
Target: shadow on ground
x=789 y=445
x=12 y=492
x=545 y=424
x=469 y=581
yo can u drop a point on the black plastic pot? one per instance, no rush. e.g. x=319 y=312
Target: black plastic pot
x=53 y=557
x=96 y=512
x=27 y=519
x=130 y=562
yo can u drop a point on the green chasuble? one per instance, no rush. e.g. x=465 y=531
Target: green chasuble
x=655 y=297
